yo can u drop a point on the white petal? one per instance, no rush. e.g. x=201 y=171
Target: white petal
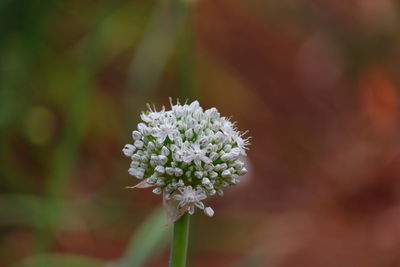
x=178 y=197
x=191 y=210
x=200 y=205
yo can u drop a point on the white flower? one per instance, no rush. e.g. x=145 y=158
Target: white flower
x=152 y=115
x=188 y=197
x=187 y=154
x=196 y=154
x=166 y=130
x=241 y=143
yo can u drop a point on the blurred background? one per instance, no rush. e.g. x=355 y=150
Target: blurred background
x=315 y=82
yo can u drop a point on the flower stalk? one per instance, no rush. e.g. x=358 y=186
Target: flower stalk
x=180 y=242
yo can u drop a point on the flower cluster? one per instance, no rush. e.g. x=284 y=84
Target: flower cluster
x=186 y=154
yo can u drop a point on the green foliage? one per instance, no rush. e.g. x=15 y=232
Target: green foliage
x=148 y=241
x=53 y=54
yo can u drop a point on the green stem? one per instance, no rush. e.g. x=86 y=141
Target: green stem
x=180 y=242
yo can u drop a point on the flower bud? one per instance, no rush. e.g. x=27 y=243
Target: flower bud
x=214 y=156
x=226 y=157
x=218 y=137
x=141 y=127
x=157 y=191
x=211 y=191
x=204 y=141
x=226 y=173
x=169 y=171
x=205 y=181
x=220 y=167
x=178 y=172
x=139 y=144
x=198 y=174
x=213 y=175
x=220 y=192
x=216 y=126
x=160 y=182
x=152 y=180
x=160 y=169
x=162 y=159
x=197 y=128
x=136 y=157
x=227 y=148
x=209 y=211
x=242 y=171
x=143 y=165
x=208 y=167
x=192 y=123
x=189 y=133
x=135 y=164
x=136 y=135
x=151 y=146
x=165 y=151
x=238 y=165
x=128 y=150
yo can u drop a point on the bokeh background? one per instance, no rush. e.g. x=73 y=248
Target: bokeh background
x=316 y=83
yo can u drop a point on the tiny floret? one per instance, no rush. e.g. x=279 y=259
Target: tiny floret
x=186 y=154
